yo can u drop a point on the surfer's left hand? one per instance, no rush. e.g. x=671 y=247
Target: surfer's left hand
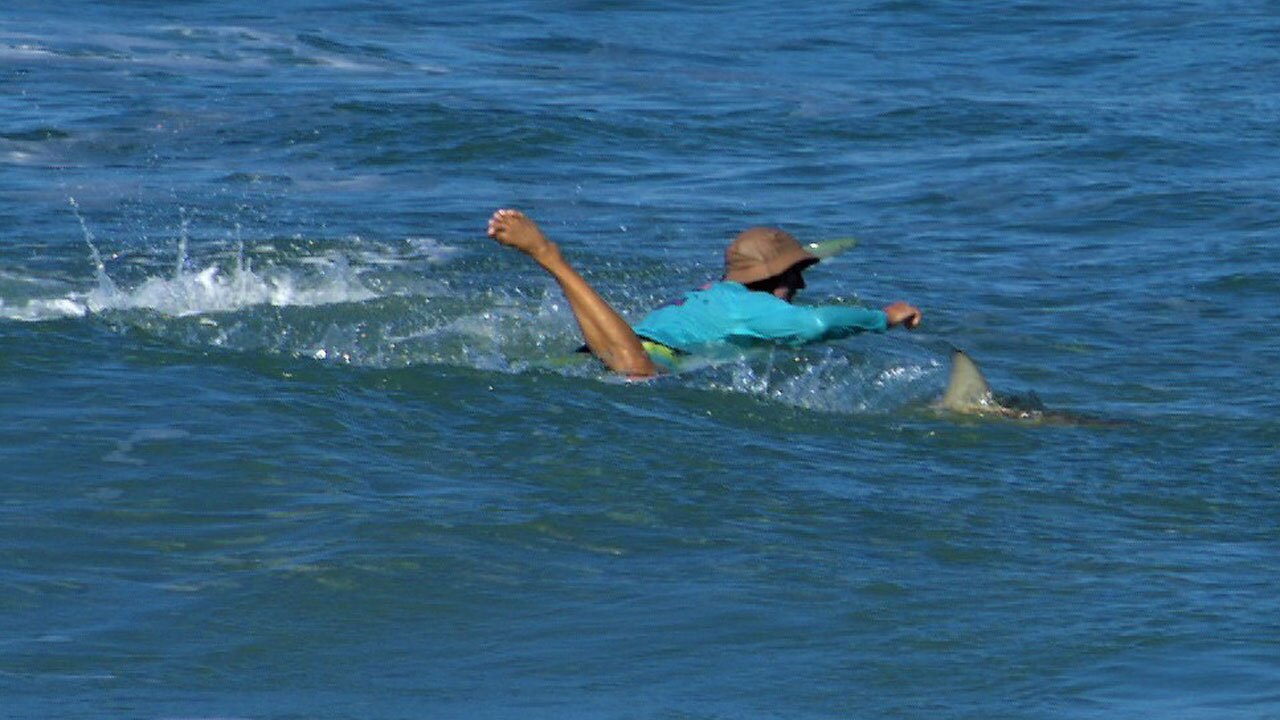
x=900 y=313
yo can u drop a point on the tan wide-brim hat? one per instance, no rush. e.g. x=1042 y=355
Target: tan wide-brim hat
x=762 y=252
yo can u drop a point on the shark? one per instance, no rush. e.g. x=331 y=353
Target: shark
x=968 y=393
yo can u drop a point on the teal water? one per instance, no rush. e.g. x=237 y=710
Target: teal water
x=282 y=435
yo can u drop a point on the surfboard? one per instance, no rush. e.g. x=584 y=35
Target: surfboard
x=830 y=248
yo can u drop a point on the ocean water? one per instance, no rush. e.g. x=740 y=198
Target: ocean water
x=282 y=435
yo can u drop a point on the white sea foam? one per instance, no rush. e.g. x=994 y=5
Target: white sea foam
x=187 y=47
x=24 y=50
x=826 y=379
x=208 y=290
x=327 y=278
x=431 y=249
x=19 y=157
x=211 y=290
x=43 y=309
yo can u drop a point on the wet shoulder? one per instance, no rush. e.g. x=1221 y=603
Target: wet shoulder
x=708 y=292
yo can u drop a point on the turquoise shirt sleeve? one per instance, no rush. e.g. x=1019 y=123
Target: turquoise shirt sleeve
x=727 y=312
x=766 y=317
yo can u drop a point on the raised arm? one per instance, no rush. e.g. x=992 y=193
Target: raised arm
x=608 y=336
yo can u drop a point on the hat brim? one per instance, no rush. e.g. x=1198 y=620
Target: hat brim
x=775 y=266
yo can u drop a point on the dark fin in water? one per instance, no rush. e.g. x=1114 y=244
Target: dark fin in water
x=968 y=394
x=967 y=390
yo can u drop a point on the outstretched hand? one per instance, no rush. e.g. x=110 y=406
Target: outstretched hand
x=514 y=229
x=900 y=313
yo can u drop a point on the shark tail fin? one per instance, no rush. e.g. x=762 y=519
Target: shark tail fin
x=966 y=388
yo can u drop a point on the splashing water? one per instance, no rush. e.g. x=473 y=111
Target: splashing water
x=105 y=285
x=406 y=317
x=211 y=290
x=187 y=290
x=830 y=378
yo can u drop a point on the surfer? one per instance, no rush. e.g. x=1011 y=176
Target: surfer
x=752 y=303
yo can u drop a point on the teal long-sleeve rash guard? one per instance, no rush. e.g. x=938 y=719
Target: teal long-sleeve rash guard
x=727 y=312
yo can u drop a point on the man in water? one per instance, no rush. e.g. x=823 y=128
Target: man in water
x=752 y=304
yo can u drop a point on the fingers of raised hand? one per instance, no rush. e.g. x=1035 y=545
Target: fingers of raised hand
x=497 y=222
x=502 y=219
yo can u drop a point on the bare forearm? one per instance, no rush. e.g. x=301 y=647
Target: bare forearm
x=608 y=336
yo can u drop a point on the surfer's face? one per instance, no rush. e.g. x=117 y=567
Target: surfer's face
x=792 y=281
x=783 y=286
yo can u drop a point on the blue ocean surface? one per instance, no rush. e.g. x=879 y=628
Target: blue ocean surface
x=283 y=435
